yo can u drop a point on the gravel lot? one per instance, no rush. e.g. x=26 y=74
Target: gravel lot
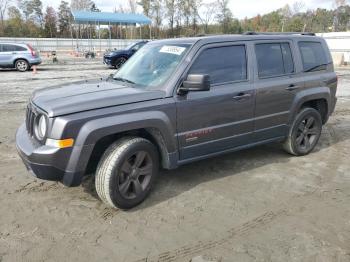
x=255 y=205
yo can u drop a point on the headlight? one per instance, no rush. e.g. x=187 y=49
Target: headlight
x=41 y=127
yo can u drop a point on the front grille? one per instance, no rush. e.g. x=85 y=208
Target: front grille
x=30 y=118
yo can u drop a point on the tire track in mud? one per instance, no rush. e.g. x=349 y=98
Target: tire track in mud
x=332 y=135
x=108 y=213
x=244 y=229
x=37 y=187
x=199 y=246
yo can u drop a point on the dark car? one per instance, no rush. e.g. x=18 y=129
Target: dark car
x=177 y=101
x=117 y=58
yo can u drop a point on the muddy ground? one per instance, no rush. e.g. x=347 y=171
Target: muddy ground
x=256 y=205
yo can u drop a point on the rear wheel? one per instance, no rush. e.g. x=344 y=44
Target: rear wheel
x=22 y=65
x=126 y=172
x=304 y=133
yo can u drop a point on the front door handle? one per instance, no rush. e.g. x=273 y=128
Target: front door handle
x=292 y=87
x=241 y=96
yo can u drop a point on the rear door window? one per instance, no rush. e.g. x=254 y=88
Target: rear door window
x=313 y=56
x=8 y=48
x=12 y=48
x=223 y=64
x=274 y=59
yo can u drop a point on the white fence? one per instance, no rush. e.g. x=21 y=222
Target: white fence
x=68 y=44
x=339 y=43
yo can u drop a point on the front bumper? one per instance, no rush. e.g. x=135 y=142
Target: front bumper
x=108 y=61
x=45 y=162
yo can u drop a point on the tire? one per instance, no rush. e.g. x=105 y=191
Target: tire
x=126 y=172
x=119 y=62
x=304 y=132
x=22 y=65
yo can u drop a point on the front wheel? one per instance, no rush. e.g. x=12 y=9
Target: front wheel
x=304 y=133
x=126 y=172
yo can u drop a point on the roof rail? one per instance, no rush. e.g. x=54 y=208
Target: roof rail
x=279 y=33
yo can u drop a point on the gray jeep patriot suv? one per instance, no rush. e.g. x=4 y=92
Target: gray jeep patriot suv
x=177 y=101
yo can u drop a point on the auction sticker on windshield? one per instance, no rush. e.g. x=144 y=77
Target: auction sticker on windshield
x=175 y=50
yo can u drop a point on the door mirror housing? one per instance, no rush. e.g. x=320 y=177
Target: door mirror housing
x=195 y=83
x=110 y=77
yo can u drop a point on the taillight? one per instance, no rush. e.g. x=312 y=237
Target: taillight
x=31 y=50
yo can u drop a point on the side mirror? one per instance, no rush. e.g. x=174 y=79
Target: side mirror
x=195 y=83
x=110 y=77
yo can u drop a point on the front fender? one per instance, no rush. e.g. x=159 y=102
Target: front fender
x=94 y=130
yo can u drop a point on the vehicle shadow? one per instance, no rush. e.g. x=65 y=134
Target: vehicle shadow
x=171 y=183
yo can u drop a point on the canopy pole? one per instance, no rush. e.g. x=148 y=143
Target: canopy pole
x=140 y=31
x=99 y=35
x=110 y=35
x=78 y=35
x=150 y=32
x=120 y=35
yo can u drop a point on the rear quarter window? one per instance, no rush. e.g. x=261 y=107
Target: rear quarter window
x=20 y=48
x=313 y=56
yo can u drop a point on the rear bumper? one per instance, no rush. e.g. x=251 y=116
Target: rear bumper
x=35 y=61
x=46 y=162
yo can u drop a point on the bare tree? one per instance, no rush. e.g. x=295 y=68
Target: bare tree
x=195 y=4
x=4 y=4
x=224 y=14
x=297 y=7
x=132 y=6
x=186 y=11
x=146 y=6
x=339 y=3
x=171 y=11
x=207 y=13
x=50 y=19
x=156 y=11
x=81 y=5
x=286 y=13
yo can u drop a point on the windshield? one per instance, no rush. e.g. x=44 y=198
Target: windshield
x=129 y=46
x=152 y=65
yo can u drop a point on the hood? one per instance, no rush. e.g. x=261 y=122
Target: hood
x=116 y=52
x=87 y=95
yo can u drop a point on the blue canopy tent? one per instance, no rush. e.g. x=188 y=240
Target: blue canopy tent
x=108 y=18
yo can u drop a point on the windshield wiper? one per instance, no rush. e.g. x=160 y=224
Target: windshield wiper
x=316 y=67
x=123 y=80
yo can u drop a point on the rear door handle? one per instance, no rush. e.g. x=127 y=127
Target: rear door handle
x=292 y=87
x=241 y=96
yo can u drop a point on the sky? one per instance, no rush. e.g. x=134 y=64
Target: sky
x=239 y=8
